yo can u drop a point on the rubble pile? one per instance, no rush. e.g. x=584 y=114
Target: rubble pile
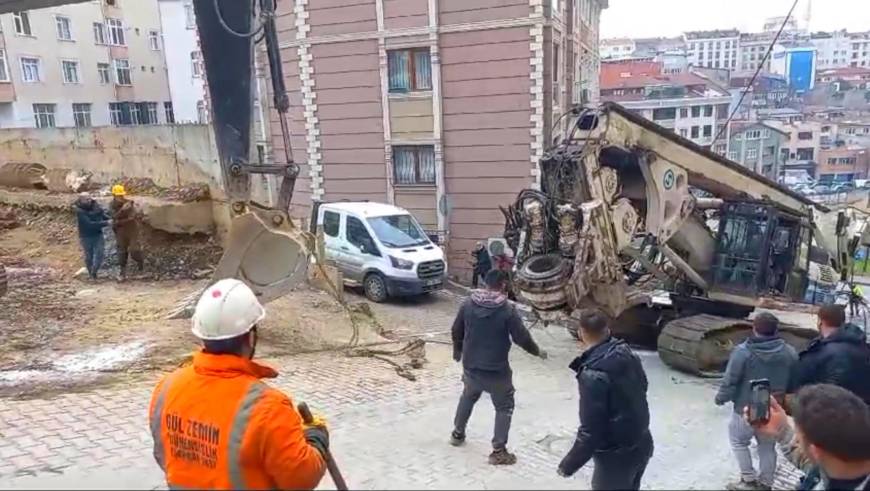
x=144 y=186
x=8 y=218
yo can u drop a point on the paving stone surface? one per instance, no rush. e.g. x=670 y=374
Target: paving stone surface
x=387 y=432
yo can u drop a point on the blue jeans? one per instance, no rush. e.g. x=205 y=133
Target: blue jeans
x=94 y=248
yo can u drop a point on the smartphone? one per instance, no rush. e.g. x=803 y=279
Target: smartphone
x=759 y=402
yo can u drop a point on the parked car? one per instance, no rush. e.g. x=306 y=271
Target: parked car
x=382 y=248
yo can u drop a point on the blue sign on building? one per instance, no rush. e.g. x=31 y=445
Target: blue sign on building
x=800 y=70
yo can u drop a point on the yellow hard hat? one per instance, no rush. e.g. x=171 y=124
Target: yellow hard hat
x=118 y=190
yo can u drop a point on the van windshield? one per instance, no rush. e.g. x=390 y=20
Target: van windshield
x=398 y=231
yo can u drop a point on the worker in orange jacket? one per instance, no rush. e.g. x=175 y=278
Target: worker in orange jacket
x=216 y=425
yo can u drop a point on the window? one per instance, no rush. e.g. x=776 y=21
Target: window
x=805 y=135
x=720 y=148
x=732 y=155
x=30 y=70
x=414 y=165
x=753 y=134
x=832 y=161
x=805 y=153
x=115 y=32
x=696 y=131
x=331 y=222
x=195 y=65
x=708 y=111
x=765 y=134
x=22 y=23
x=43 y=114
x=189 y=16
x=169 y=111
x=684 y=112
x=82 y=115
x=150 y=113
x=103 y=71
x=684 y=132
x=4 y=68
x=752 y=153
x=665 y=113
x=201 y=115
x=70 y=70
x=123 y=75
x=64 y=28
x=154 y=40
x=708 y=130
x=409 y=70
x=358 y=235
x=696 y=111
x=99 y=33
x=556 y=63
x=119 y=113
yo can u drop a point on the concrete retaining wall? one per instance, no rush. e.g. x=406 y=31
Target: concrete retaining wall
x=170 y=155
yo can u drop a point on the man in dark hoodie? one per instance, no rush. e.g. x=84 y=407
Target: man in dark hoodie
x=482 y=334
x=839 y=356
x=92 y=218
x=764 y=355
x=614 y=413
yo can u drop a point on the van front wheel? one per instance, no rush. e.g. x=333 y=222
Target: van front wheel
x=375 y=288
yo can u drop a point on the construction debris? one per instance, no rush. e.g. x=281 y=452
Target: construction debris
x=8 y=218
x=144 y=186
x=22 y=175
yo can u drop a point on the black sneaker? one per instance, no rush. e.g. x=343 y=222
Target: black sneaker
x=502 y=457
x=457 y=439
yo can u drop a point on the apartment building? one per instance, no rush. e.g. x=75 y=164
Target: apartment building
x=859 y=55
x=801 y=151
x=713 y=49
x=757 y=147
x=753 y=47
x=616 y=48
x=89 y=64
x=185 y=70
x=443 y=107
x=842 y=164
x=834 y=49
x=686 y=103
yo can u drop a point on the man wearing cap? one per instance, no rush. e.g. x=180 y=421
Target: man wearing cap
x=125 y=224
x=216 y=424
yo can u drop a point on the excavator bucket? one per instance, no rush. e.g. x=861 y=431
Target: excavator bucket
x=266 y=251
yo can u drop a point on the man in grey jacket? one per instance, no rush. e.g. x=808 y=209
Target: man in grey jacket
x=482 y=334
x=764 y=355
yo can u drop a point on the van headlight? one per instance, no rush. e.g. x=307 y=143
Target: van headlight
x=401 y=263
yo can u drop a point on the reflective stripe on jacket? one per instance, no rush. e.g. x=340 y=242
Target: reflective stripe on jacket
x=215 y=425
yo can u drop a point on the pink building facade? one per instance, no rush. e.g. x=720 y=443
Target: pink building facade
x=443 y=107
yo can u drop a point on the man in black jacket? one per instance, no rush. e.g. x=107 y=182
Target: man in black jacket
x=92 y=218
x=482 y=334
x=614 y=414
x=839 y=356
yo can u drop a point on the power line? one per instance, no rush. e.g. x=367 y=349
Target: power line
x=757 y=70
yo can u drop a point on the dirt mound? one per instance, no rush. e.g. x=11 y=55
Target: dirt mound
x=144 y=186
x=8 y=218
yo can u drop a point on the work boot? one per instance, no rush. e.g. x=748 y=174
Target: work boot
x=501 y=456
x=744 y=485
x=457 y=439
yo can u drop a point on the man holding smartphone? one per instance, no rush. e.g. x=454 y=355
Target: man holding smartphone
x=763 y=356
x=831 y=432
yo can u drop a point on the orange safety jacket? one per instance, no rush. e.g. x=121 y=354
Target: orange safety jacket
x=217 y=426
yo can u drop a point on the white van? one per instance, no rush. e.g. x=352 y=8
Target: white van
x=381 y=247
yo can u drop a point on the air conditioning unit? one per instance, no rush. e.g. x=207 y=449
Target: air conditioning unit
x=497 y=246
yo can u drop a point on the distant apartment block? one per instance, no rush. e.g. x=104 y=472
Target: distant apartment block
x=713 y=49
x=757 y=147
x=688 y=104
x=442 y=107
x=88 y=64
x=185 y=70
x=842 y=164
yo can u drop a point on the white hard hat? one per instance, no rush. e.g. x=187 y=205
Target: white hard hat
x=226 y=310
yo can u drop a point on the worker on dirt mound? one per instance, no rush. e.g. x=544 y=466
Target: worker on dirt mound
x=216 y=425
x=92 y=219
x=125 y=224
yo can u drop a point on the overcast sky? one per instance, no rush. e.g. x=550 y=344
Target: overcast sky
x=651 y=18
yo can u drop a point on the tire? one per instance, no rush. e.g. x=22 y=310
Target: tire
x=375 y=288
